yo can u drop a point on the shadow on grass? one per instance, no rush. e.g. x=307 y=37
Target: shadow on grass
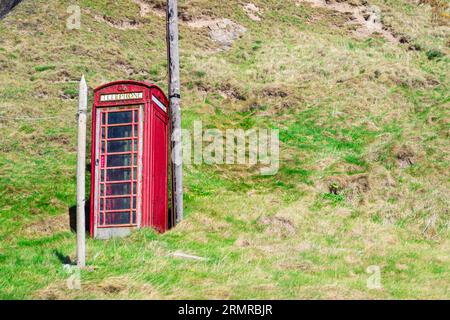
x=87 y=216
x=63 y=258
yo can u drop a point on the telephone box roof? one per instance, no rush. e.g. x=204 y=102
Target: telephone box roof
x=132 y=82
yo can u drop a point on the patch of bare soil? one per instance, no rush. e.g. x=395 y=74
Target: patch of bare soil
x=121 y=24
x=274 y=92
x=158 y=8
x=63 y=76
x=222 y=31
x=125 y=67
x=148 y=6
x=252 y=11
x=48 y=226
x=41 y=93
x=66 y=96
x=278 y=226
x=228 y=91
x=242 y=242
x=351 y=187
x=405 y=156
x=367 y=18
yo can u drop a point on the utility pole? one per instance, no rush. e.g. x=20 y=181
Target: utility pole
x=81 y=168
x=174 y=99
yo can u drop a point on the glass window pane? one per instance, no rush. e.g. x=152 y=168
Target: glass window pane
x=118 y=174
x=120 y=160
x=117 y=218
x=119 y=132
x=118 y=203
x=125 y=127
x=119 y=146
x=118 y=189
x=120 y=117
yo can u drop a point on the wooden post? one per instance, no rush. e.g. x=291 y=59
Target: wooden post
x=174 y=98
x=81 y=168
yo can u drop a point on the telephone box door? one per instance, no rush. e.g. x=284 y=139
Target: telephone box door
x=118 y=176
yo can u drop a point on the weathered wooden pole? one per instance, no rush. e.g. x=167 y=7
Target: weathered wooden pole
x=81 y=166
x=174 y=98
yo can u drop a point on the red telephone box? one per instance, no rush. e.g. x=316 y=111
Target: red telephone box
x=130 y=134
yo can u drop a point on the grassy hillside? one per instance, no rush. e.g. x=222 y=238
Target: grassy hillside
x=364 y=172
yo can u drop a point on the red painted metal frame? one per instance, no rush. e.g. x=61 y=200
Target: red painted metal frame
x=157 y=164
x=155 y=135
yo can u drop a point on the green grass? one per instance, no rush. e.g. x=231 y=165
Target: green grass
x=44 y=68
x=340 y=202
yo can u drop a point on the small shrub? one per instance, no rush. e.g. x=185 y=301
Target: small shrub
x=44 y=68
x=434 y=54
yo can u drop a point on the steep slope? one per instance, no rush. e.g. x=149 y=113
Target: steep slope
x=362 y=109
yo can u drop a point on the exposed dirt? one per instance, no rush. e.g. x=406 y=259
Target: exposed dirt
x=366 y=17
x=274 y=91
x=125 y=67
x=405 y=156
x=66 y=96
x=351 y=187
x=228 y=91
x=41 y=93
x=63 y=76
x=252 y=11
x=158 y=8
x=222 y=31
x=147 y=7
x=122 y=24
x=242 y=242
x=278 y=226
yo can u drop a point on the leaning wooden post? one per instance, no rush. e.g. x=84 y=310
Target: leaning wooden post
x=174 y=98
x=81 y=166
